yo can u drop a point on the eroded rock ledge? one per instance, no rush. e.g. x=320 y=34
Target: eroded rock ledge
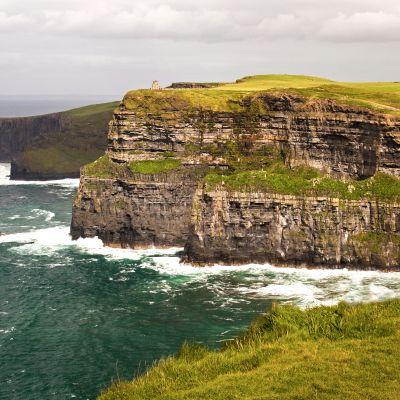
x=153 y=189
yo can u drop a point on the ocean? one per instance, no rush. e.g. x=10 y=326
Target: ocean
x=74 y=316
x=28 y=105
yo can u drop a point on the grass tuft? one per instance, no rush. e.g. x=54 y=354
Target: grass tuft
x=345 y=351
x=307 y=181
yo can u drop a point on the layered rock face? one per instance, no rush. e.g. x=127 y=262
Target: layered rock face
x=17 y=133
x=175 y=208
x=234 y=227
x=139 y=211
x=342 y=140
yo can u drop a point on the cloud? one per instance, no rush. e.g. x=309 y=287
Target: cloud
x=11 y=22
x=175 y=21
x=363 y=27
x=72 y=42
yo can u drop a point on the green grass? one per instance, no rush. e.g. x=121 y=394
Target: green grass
x=93 y=109
x=154 y=166
x=342 y=352
x=57 y=158
x=267 y=82
x=307 y=181
x=378 y=96
x=181 y=100
x=103 y=167
x=375 y=242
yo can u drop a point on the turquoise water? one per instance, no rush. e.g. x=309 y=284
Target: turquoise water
x=75 y=315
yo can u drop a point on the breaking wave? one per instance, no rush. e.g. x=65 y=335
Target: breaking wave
x=5 y=170
x=68 y=183
x=48 y=215
x=58 y=237
x=304 y=287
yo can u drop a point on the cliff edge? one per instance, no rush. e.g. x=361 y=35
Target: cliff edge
x=54 y=146
x=282 y=169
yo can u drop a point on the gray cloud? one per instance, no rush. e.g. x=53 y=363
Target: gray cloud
x=173 y=20
x=111 y=46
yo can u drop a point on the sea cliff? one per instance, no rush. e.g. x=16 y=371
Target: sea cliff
x=287 y=176
x=54 y=146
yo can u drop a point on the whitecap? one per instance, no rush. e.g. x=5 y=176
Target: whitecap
x=16 y=216
x=44 y=213
x=58 y=237
x=5 y=180
x=305 y=287
x=5 y=331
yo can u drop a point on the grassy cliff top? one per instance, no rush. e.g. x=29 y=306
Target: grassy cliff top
x=378 y=96
x=91 y=110
x=342 y=352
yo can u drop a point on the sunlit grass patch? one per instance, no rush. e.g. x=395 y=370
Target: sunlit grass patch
x=348 y=352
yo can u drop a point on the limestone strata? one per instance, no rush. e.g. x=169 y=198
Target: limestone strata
x=138 y=212
x=173 y=209
x=234 y=227
x=342 y=140
x=17 y=133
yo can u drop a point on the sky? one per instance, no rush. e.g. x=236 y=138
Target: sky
x=96 y=47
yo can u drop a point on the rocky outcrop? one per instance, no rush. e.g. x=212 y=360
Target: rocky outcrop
x=175 y=208
x=138 y=212
x=194 y=85
x=21 y=172
x=235 y=227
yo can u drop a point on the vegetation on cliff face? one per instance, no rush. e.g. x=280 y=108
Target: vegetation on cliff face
x=83 y=139
x=103 y=167
x=306 y=181
x=154 y=166
x=380 y=96
x=378 y=243
x=340 y=352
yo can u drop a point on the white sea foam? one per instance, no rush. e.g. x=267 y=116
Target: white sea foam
x=68 y=183
x=5 y=179
x=5 y=331
x=5 y=170
x=54 y=238
x=305 y=287
x=48 y=215
x=16 y=216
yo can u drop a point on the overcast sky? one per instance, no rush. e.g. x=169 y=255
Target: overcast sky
x=109 y=47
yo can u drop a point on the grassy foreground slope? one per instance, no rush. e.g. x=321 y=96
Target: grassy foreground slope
x=380 y=96
x=83 y=139
x=341 y=352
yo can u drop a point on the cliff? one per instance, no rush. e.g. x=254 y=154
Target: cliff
x=237 y=227
x=17 y=133
x=54 y=146
x=290 y=176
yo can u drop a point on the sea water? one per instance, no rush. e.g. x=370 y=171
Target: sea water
x=74 y=316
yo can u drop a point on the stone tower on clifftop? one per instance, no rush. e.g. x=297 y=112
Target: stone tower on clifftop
x=155 y=86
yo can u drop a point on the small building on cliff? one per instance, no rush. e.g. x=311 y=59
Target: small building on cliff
x=155 y=86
